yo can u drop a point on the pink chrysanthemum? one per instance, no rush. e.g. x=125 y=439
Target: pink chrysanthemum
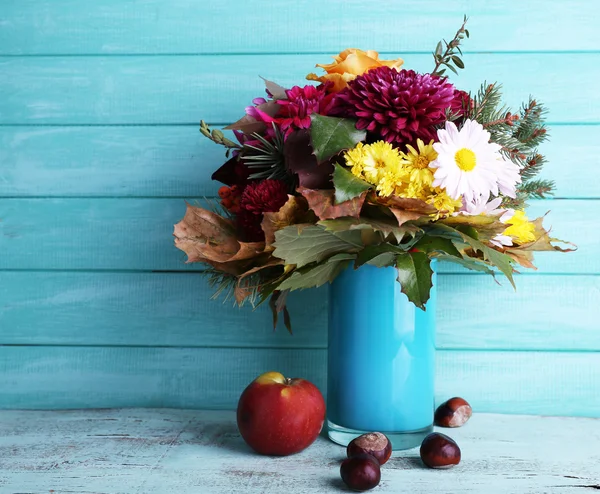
x=295 y=111
x=400 y=106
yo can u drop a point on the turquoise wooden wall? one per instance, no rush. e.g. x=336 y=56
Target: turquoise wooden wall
x=99 y=146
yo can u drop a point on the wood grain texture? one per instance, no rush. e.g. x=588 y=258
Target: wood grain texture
x=168 y=309
x=151 y=26
x=185 y=452
x=549 y=383
x=136 y=234
x=184 y=89
x=177 y=161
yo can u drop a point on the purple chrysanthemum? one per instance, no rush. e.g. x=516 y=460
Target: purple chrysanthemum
x=400 y=106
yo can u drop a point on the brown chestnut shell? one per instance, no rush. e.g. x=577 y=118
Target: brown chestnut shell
x=376 y=444
x=454 y=412
x=440 y=451
x=361 y=472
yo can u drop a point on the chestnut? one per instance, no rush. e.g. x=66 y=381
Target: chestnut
x=373 y=443
x=453 y=413
x=361 y=472
x=439 y=451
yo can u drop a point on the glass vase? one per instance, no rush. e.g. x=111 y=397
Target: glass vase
x=381 y=359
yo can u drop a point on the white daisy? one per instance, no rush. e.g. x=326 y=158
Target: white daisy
x=468 y=164
x=480 y=206
x=499 y=239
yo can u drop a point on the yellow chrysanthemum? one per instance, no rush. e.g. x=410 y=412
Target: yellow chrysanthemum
x=441 y=201
x=355 y=159
x=416 y=163
x=390 y=181
x=379 y=160
x=378 y=164
x=521 y=229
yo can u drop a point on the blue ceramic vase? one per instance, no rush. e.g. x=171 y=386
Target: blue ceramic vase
x=381 y=359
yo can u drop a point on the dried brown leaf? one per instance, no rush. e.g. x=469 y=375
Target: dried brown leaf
x=322 y=202
x=204 y=235
x=292 y=212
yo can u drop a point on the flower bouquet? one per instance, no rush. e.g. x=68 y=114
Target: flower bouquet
x=372 y=164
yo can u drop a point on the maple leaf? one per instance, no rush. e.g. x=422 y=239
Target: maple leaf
x=295 y=210
x=322 y=202
x=204 y=235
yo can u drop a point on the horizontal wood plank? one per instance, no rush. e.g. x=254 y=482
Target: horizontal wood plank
x=189 y=451
x=157 y=309
x=184 y=89
x=176 y=161
x=151 y=26
x=83 y=377
x=136 y=234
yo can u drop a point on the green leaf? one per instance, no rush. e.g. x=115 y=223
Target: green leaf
x=378 y=255
x=430 y=244
x=438 y=49
x=317 y=275
x=502 y=261
x=347 y=185
x=469 y=263
x=458 y=62
x=302 y=244
x=451 y=68
x=404 y=235
x=415 y=277
x=330 y=135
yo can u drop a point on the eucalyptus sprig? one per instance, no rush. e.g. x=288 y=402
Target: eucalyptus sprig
x=449 y=58
x=218 y=137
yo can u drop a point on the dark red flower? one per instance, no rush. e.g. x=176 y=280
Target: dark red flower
x=258 y=198
x=266 y=196
x=295 y=111
x=461 y=102
x=249 y=227
x=400 y=106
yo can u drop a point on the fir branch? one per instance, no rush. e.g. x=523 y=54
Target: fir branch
x=449 y=57
x=537 y=189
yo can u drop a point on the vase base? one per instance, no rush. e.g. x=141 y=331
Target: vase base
x=400 y=440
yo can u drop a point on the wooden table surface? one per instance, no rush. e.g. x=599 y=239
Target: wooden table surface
x=163 y=451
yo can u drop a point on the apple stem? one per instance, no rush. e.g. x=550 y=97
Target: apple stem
x=288 y=381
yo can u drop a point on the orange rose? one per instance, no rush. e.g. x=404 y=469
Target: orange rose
x=349 y=64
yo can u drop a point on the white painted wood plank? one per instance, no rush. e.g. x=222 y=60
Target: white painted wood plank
x=176 y=161
x=187 y=452
x=549 y=383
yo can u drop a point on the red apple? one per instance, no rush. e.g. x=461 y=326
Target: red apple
x=280 y=416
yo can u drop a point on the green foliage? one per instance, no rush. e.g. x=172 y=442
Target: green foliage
x=304 y=244
x=330 y=135
x=347 y=186
x=381 y=255
x=316 y=275
x=493 y=257
x=446 y=55
x=415 y=276
x=218 y=137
